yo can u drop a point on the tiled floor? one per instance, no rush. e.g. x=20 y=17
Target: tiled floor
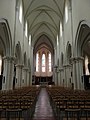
x=43 y=110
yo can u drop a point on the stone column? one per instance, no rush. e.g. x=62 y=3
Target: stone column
x=29 y=78
x=18 y=82
x=25 y=77
x=8 y=73
x=61 y=77
x=53 y=74
x=77 y=63
x=67 y=75
x=55 y=56
x=32 y=68
x=56 y=75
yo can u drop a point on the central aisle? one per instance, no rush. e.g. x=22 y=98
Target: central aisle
x=43 y=110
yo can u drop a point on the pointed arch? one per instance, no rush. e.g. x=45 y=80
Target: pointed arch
x=82 y=37
x=51 y=39
x=5 y=38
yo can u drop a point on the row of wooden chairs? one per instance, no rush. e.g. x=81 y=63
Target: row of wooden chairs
x=16 y=103
x=70 y=104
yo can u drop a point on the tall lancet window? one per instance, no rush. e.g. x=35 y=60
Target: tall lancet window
x=43 y=62
x=57 y=40
x=61 y=29
x=37 y=62
x=29 y=40
x=49 y=58
x=66 y=11
x=26 y=29
x=20 y=13
x=0 y=64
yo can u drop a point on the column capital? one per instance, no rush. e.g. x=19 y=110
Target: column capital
x=25 y=68
x=12 y=58
x=61 y=69
x=19 y=65
x=77 y=59
x=29 y=70
x=54 y=48
x=67 y=65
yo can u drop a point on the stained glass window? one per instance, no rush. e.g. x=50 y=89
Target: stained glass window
x=43 y=62
x=66 y=12
x=37 y=62
x=60 y=29
x=30 y=40
x=57 y=40
x=20 y=13
x=49 y=56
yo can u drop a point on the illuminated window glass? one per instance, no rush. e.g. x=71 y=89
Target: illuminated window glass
x=0 y=64
x=66 y=12
x=49 y=56
x=20 y=13
x=57 y=40
x=37 y=62
x=60 y=29
x=43 y=62
x=29 y=40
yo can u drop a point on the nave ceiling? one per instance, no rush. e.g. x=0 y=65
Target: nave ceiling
x=43 y=17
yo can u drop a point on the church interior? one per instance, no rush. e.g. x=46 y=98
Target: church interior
x=44 y=60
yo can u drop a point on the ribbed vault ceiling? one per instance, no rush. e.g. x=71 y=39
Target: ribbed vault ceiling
x=43 y=17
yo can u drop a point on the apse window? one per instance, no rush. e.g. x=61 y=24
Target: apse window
x=43 y=62
x=37 y=62
x=49 y=56
x=66 y=12
x=20 y=13
x=26 y=29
